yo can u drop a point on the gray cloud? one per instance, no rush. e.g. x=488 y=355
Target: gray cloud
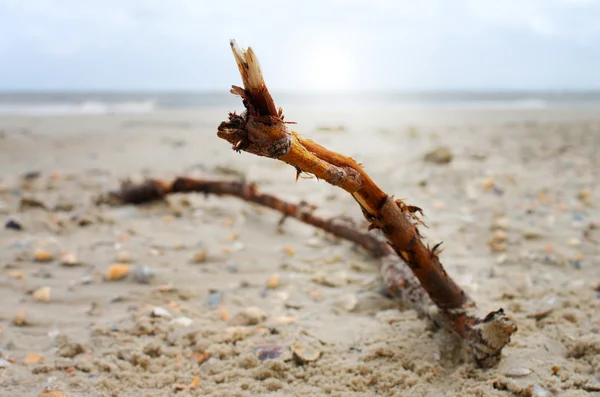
x=182 y=44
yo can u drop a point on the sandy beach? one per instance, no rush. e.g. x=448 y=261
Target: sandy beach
x=217 y=297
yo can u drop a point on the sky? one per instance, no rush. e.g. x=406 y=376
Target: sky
x=330 y=45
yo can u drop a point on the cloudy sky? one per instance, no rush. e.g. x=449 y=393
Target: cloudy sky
x=310 y=44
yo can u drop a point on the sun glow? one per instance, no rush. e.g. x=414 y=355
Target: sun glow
x=330 y=70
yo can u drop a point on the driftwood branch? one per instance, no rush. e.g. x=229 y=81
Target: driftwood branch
x=397 y=278
x=261 y=130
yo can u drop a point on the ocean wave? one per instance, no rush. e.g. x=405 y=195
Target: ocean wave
x=85 y=107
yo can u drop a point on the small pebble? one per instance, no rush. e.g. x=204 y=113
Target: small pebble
x=123 y=257
x=33 y=359
x=200 y=256
x=249 y=316
x=574 y=242
x=30 y=202
x=142 y=274
x=69 y=259
x=273 y=281
x=233 y=267
x=43 y=273
x=52 y=393
x=347 y=302
x=160 y=312
x=214 y=298
x=117 y=272
x=497 y=242
x=16 y=274
x=43 y=256
x=289 y=250
x=330 y=280
x=585 y=196
x=501 y=222
x=518 y=372
x=439 y=205
x=488 y=184
x=544 y=308
x=268 y=352
x=4 y=363
x=20 y=318
x=182 y=321
x=439 y=155
x=315 y=242
x=238 y=246
x=42 y=294
x=531 y=234
x=539 y=391
x=306 y=350
x=12 y=224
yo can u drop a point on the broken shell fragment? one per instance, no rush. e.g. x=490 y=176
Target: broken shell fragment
x=160 y=312
x=42 y=294
x=182 y=321
x=517 y=372
x=69 y=259
x=305 y=350
x=194 y=384
x=19 y=319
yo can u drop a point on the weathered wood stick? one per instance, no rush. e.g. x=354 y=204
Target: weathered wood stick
x=261 y=130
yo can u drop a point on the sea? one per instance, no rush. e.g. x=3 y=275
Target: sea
x=48 y=103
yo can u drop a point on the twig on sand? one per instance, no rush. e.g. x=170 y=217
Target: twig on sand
x=399 y=281
x=261 y=130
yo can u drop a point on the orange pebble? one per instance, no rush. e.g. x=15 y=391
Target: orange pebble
x=52 y=394
x=16 y=274
x=33 y=358
x=124 y=238
x=117 y=272
x=289 y=250
x=224 y=315
x=43 y=256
